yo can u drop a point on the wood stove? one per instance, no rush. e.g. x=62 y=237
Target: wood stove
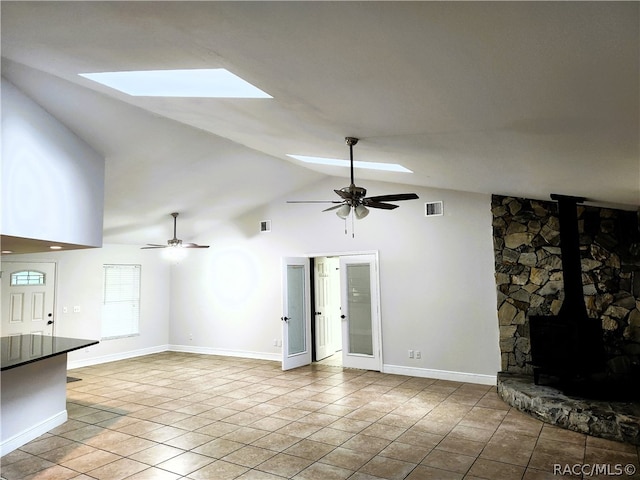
x=568 y=346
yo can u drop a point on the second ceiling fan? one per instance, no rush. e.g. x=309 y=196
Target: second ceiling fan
x=353 y=198
x=175 y=242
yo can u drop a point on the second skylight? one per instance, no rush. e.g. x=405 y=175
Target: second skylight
x=388 y=167
x=202 y=83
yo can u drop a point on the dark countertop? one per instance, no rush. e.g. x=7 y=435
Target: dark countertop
x=18 y=350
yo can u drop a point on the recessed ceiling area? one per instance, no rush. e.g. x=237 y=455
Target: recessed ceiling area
x=512 y=98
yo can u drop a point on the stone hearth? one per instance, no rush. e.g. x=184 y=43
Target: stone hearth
x=618 y=421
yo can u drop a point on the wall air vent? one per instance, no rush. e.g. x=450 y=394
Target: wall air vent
x=433 y=209
x=265 y=226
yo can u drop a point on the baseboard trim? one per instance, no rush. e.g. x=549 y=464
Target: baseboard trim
x=275 y=357
x=71 y=364
x=465 y=377
x=453 y=376
x=24 y=437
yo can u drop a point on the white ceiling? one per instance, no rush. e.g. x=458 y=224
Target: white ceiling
x=517 y=98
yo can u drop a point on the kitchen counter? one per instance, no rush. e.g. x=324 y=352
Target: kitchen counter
x=18 y=350
x=33 y=374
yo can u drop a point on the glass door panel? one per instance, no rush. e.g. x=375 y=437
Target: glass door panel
x=295 y=309
x=359 y=305
x=296 y=318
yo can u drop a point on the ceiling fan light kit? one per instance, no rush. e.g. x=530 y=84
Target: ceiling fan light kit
x=361 y=211
x=344 y=211
x=353 y=198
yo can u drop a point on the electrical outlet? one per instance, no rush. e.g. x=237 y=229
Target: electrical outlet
x=279 y=343
x=418 y=354
x=65 y=309
x=191 y=336
x=410 y=353
x=275 y=342
x=76 y=309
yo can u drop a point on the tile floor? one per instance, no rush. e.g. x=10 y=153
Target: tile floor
x=175 y=416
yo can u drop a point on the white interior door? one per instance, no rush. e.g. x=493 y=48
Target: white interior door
x=361 y=339
x=334 y=299
x=324 y=307
x=296 y=318
x=28 y=298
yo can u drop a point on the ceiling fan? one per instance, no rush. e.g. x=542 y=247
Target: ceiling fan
x=175 y=242
x=354 y=197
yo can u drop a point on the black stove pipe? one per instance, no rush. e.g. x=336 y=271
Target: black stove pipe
x=573 y=307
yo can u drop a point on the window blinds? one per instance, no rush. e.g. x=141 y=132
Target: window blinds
x=121 y=304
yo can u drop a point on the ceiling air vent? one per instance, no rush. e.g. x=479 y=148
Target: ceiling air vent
x=433 y=209
x=265 y=226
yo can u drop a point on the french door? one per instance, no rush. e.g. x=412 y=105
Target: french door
x=360 y=312
x=296 y=318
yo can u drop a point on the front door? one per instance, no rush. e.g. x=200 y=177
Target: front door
x=361 y=346
x=296 y=318
x=28 y=294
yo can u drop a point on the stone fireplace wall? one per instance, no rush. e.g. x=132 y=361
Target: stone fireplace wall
x=528 y=272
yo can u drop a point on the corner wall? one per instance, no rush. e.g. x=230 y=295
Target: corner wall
x=52 y=181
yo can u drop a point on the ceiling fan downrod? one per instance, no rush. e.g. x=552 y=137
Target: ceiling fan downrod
x=174 y=242
x=351 y=141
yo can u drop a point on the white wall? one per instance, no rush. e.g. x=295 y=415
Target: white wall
x=52 y=181
x=437 y=284
x=79 y=282
x=436 y=277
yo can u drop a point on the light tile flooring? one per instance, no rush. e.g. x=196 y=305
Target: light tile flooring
x=175 y=416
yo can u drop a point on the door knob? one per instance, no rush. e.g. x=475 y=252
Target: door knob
x=50 y=322
x=284 y=319
x=318 y=313
x=343 y=316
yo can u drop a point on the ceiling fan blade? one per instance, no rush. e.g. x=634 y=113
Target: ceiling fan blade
x=393 y=198
x=343 y=194
x=334 y=207
x=153 y=245
x=194 y=245
x=314 y=201
x=384 y=206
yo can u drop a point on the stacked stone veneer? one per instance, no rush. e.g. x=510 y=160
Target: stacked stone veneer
x=529 y=279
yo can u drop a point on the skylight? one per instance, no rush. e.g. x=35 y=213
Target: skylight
x=202 y=83
x=336 y=162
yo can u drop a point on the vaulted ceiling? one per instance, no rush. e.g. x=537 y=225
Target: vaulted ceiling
x=517 y=98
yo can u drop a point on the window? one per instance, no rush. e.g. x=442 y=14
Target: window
x=121 y=305
x=27 y=277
